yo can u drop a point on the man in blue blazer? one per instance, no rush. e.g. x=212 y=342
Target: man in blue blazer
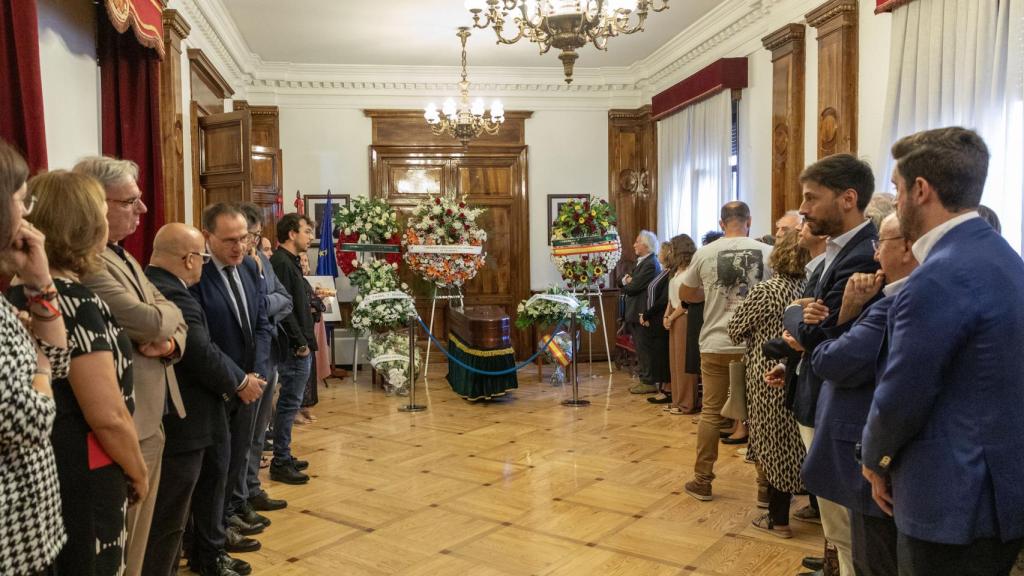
x=232 y=294
x=848 y=365
x=943 y=446
x=836 y=190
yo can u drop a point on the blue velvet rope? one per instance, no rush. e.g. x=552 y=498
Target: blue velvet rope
x=517 y=368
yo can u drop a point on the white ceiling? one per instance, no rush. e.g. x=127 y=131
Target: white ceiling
x=422 y=33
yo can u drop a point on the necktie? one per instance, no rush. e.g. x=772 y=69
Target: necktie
x=243 y=315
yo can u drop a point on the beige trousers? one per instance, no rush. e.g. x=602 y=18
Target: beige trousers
x=714 y=370
x=140 y=516
x=835 y=519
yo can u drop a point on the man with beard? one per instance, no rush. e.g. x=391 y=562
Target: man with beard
x=836 y=190
x=942 y=444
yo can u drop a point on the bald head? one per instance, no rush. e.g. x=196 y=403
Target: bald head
x=179 y=248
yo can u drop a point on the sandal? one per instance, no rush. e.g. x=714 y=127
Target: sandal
x=764 y=523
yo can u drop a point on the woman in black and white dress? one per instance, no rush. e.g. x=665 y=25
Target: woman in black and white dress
x=33 y=348
x=774 y=435
x=99 y=463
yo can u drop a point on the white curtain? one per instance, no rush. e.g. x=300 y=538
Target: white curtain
x=694 y=175
x=961 y=63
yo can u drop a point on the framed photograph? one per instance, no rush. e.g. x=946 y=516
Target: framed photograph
x=326 y=283
x=555 y=202
x=315 y=204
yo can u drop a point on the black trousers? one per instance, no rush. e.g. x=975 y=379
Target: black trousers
x=643 y=353
x=241 y=419
x=874 y=545
x=983 y=557
x=778 y=506
x=179 y=473
x=208 y=534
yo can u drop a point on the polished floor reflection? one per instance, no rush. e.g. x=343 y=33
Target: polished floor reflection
x=520 y=486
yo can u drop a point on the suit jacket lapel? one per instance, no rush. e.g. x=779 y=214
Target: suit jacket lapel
x=112 y=259
x=217 y=279
x=865 y=233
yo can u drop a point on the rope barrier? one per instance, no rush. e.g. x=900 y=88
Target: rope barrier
x=516 y=368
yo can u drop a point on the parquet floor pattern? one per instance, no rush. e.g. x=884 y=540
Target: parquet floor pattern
x=517 y=487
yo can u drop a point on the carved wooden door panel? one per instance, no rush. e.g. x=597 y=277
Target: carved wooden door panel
x=225 y=162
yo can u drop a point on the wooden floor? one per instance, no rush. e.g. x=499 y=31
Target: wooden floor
x=520 y=486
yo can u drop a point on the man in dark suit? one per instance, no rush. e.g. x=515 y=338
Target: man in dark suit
x=232 y=295
x=848 y=364
x=179 y=252
x=634 y=286
x=943 y=446
x=836 y=190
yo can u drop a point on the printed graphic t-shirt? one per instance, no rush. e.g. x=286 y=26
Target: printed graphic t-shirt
x=727 y=269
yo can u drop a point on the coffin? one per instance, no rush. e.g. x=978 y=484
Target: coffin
x=480 y=327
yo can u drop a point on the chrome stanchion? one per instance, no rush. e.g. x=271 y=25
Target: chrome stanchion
x=575 y=401
x=412 y=406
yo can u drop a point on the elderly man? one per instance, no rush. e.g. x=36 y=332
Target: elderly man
x=197 y=442
x=849 y=366
x=155 y=325
x=942 y=444
x=634 y=286
x=790 y=221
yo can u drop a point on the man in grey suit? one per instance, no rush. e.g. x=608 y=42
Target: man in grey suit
x=634 y=286
x=155 y=325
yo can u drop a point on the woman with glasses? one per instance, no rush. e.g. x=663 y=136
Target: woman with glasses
x=99 y=464
x=33 y=349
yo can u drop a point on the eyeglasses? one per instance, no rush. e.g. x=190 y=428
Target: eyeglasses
x=28 y=203
x=876 y=243
x=130 y=203
x=206 y=257
x=255 y=237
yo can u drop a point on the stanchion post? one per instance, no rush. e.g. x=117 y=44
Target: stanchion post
x=574 y=367
x=412 y=406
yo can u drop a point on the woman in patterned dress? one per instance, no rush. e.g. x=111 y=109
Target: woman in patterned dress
x=774 y=435
x=99 y=463
x=32 y=351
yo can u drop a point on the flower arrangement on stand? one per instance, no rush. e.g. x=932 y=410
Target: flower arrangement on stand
x=546 y=312
x=585 y=244
x=443 y=242
x=390 y=356
x=365 y=221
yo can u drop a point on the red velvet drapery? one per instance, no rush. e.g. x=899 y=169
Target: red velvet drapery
x=130 y=117
x=21 y=90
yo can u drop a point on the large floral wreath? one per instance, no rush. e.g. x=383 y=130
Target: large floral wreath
x=445 y=222
x=585 y=243
x=375 y=315
x=549 y=312
x=365 y=221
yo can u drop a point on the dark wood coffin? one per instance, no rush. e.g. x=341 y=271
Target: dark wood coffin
x=480 y=327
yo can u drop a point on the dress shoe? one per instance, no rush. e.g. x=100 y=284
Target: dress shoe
x=815 y=573
x=235 y=542
x=735 y=440
x=813 y=563
x=661 y=399
x=240 y=566
x=286 y=473
x=247 y=513
x=264 y=503
x=644 y=389
x=244 y=528
x=268 y=444
x=219 y=567
x=300 y=465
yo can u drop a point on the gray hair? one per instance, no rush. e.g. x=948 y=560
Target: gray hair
x=109 y=171
x=881 y=205
x=650 y=239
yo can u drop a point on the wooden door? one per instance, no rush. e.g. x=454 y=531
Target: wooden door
x=225 y=159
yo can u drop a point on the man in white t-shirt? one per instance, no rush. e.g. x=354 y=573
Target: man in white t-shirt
x=721 y=275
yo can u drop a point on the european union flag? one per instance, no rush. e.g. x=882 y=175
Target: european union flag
x=326 y=262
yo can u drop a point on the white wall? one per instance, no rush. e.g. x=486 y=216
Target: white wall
x=324 y=148
x=875 y=47
x=70 y=79
x=755 y=154
x=568 y=155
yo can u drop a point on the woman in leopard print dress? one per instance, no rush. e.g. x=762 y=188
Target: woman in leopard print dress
x=774 y=435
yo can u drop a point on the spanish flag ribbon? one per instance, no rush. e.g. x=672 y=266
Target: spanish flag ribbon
x=556 y=351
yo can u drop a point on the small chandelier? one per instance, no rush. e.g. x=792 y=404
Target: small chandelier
x=564 y=24
x=462 y=121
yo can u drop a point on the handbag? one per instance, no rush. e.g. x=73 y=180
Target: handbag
x=736 y=404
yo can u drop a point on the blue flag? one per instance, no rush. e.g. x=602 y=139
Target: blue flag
x=327 y=262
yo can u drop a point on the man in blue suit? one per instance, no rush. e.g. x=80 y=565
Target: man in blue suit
x=232 y=294
x=836 y=190
x=943 y=446
x=848 y=365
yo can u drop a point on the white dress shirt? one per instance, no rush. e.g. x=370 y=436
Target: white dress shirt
x=833 y=246
x=926 y=242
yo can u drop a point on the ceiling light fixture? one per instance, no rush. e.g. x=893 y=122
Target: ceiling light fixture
x=464 y=121
x=564 y=24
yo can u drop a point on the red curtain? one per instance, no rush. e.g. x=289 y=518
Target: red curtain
x=21 y=90
x=130 y=117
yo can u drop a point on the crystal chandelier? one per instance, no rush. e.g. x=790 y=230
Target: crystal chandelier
x=463 y=121
x=564 y=24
